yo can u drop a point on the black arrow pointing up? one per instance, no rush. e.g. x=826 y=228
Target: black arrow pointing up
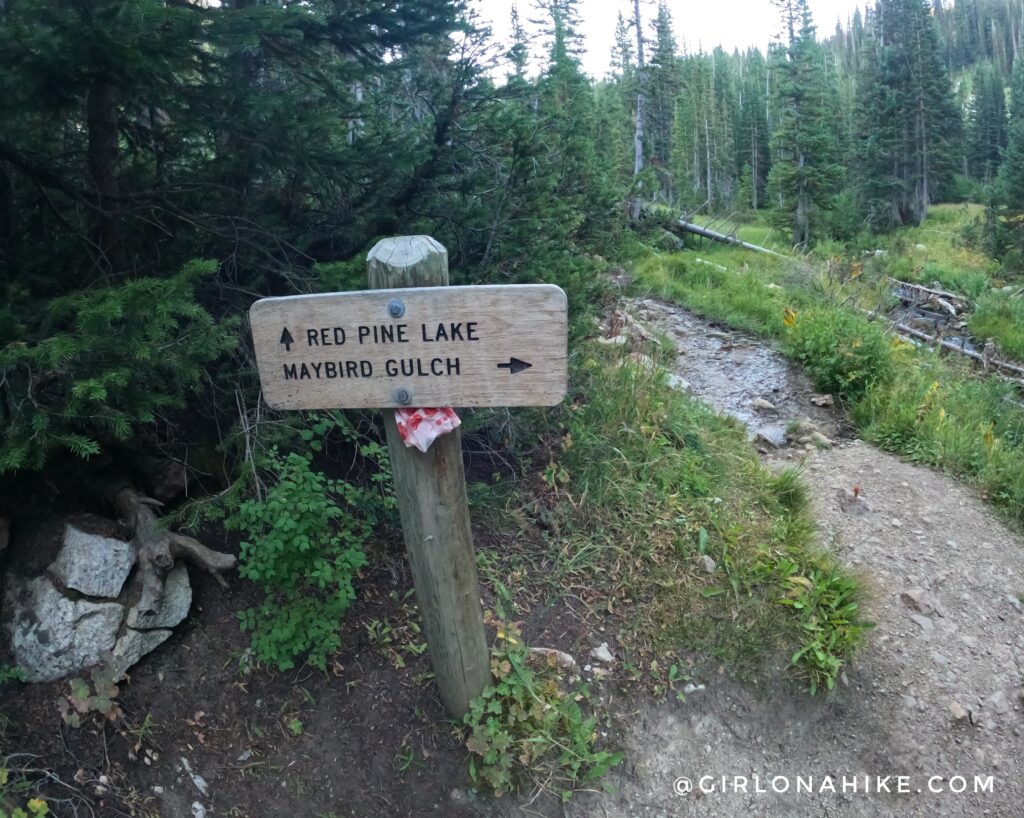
x=514 y=365
x=287 y=340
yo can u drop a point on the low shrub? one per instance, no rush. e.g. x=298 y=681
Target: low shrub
x=527 y=727
x=843 y=353
x=302 y=544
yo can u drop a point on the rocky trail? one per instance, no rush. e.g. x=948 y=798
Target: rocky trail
x=930 y=720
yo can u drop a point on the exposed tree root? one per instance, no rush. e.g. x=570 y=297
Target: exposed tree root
x=157 y=548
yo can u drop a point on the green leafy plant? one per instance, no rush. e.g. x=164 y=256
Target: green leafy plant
x=831 y=627
x=303 y=545
x=85 y=698
x=11 y=673
x=526 y=726
x=10 y=798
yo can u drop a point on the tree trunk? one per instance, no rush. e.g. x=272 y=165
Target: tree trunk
x=101 y=122
x=638 y=132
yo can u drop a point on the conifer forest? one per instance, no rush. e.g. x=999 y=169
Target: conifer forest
x=773 y=531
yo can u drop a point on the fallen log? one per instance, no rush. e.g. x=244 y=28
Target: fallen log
x=916 y=294
x=903 y=329
x=697 y=230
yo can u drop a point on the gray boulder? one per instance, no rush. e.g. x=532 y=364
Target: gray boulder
x=91 y=564
x=174 y=608
x=52 y=635
x=133 y=646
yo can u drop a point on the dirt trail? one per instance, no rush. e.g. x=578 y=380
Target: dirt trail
x=937 y=691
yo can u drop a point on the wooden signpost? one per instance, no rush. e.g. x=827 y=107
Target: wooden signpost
x=413 y=341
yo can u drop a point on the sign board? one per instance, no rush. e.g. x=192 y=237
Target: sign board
x=503 y=345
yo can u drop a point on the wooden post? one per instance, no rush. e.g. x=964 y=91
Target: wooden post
x=431 y=491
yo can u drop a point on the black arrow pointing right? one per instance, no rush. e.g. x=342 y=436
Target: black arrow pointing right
x=287 y=340
x=514 y=366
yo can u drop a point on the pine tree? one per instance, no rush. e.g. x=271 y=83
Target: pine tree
x=1011 y=175
x=805 y=168
x=986 y=124
x=663 y=84
x=908 y=126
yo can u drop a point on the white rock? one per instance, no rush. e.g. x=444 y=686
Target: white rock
x=675 y=382
x=197 y=779
x=762 y=405
x=174 y=607
x=51 y=635
x=198 y=810
x=895 y=522
x=602 y=653
x=91 y=564
x=709 y=563
x=133 y=646
x=692 y=688
x=562 y=659
x=617 y=340
x=959 y=714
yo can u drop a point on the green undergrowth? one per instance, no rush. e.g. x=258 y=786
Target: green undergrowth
x=528 y=727
x=658 y=510
x=1000 y=316
x=905 y=399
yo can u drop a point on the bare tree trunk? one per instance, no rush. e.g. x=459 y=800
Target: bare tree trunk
x=707 y=159
x=635 y=206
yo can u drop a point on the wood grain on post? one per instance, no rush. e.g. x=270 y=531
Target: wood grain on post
x=431 y=492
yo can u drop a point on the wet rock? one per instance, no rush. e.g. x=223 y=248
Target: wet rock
x=958 y=712
x=822 y=400
x=52 y=635
x=762 y=405
x=772 y=436
x=896 y=522
x=91 y=564
x=602 y=653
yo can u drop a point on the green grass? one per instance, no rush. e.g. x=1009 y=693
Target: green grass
x=1000 y=316
x=642 y=484
x=907 y=400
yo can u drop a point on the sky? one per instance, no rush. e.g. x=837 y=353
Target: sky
x=697 y=23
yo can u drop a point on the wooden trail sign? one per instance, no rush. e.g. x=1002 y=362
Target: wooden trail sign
x=427 y=346
x=414 y=341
